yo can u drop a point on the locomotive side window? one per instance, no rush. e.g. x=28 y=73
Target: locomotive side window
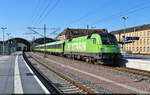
x=94 y=41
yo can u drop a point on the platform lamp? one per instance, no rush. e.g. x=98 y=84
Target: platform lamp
x=3 y=29
x=124 y=18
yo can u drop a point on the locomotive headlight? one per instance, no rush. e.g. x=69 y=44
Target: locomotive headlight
x=102 y=49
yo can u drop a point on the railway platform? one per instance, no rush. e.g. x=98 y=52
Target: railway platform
x=16 y=77
x=141 y=62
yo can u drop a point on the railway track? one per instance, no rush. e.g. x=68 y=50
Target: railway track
x=68 y=85
x=121 y=69
x=135 y=71
x=53 y=89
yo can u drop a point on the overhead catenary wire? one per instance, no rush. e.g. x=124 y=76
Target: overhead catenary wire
x=41 y=7
x=35 y=11
x=43 y=11
x=89 y=13
x=49 y=11
x=126 y=12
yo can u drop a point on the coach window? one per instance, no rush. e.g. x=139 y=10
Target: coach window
x=59 y=46
x=94 y=41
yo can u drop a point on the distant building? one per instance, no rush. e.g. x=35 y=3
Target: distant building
x=72 y=33
x=141 y=46
x=5 y=48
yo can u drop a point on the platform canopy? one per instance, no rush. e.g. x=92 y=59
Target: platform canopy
x=15 y=41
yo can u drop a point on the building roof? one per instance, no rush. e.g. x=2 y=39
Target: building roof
x=20 y=40
x=76 y=32
x=131 y=29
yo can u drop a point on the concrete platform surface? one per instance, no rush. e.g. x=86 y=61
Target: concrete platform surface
x=17 y=78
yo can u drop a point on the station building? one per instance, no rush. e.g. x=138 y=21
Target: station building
x=141 y=46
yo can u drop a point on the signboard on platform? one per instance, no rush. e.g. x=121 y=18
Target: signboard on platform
x=132 y=38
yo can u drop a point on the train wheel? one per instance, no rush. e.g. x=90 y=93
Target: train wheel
x=100 y=62
x=87 y=59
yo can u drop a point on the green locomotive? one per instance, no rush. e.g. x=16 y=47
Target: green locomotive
x=95 y=48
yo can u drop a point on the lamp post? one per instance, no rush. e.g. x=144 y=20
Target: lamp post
x=9 y=46
x=3 y=29
x=8 y=34
x=44 y=40
x=124 y=18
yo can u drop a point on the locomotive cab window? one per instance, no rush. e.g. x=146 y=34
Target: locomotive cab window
x=108 y=39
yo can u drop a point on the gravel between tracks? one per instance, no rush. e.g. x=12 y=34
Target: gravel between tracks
x=85 y=83
x=115 y=72
x=138 y=85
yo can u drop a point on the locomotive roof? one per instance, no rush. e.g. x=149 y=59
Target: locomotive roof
x=51 y=43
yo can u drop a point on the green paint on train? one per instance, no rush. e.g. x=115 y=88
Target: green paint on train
x=96 y=46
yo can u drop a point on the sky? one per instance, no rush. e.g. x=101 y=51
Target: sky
x=17 y=15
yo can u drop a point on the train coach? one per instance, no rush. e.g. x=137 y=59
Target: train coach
x=96 y=48
x=56 y=48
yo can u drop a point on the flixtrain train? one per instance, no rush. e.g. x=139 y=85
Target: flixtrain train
x=98 y=48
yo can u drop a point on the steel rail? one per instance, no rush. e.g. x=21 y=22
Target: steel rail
x=41 y=75
x=122 y=69
x=62 y=76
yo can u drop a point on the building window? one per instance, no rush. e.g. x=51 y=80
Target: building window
x=148 y=33
x=144 y=49
x=140 y=48
x=148 y=49
x=137 y=49
x=140 y=41
x=132 y=49
x=144 y=33
x=144 y=41
x=147 y=41
x=140 y=33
